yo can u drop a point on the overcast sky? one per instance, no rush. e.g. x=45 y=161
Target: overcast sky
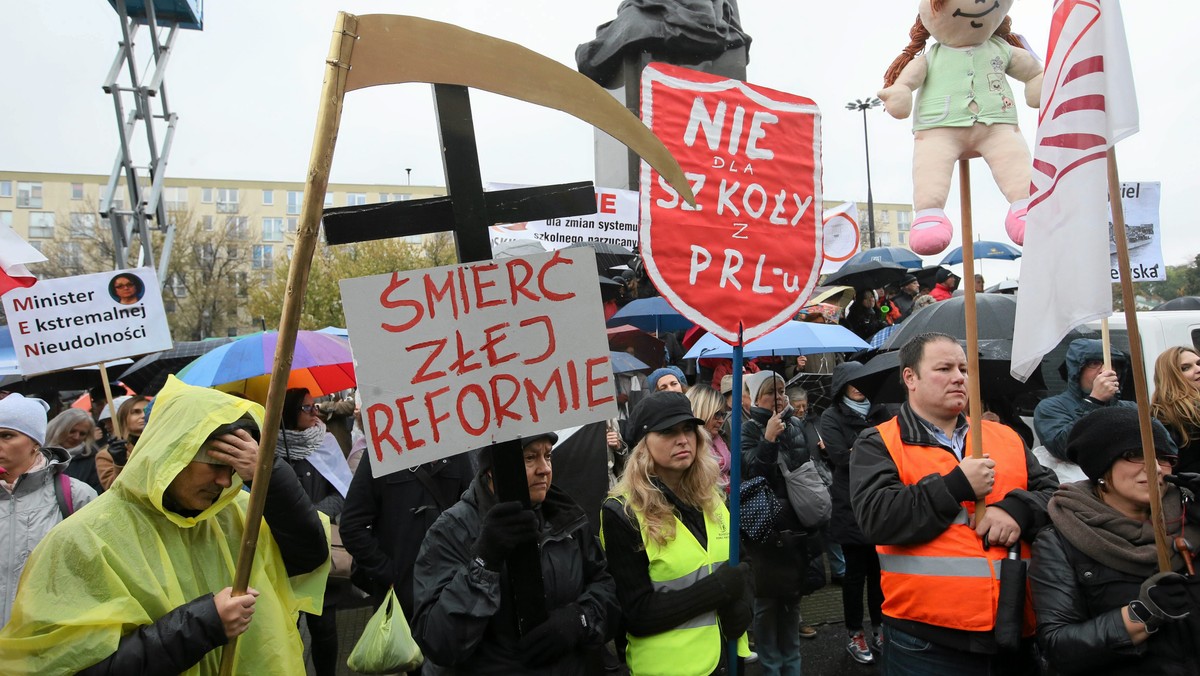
x=246 y=90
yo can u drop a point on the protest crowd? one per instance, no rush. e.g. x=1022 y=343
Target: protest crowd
x=119 y=554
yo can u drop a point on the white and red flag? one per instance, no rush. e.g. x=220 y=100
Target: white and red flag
x=1088 y=105
x=14 y=254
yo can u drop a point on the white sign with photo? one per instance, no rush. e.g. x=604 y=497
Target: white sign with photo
x=62 y=323
x=1143 y=232
x=459 y=357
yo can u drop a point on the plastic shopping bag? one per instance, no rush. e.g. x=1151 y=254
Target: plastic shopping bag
x=386 y=645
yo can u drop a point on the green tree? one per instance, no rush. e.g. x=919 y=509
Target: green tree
x=331 y=264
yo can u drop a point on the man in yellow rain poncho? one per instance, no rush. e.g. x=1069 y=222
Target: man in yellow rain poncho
x=137 y=581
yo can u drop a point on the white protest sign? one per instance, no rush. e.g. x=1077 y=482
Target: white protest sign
x=458 y=357
x=615 y=222
x=1142 y=231
x=72 y=321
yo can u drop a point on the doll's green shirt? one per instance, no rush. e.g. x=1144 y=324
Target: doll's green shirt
x=957 y=77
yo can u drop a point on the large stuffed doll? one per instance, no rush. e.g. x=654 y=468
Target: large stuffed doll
x=965 y=109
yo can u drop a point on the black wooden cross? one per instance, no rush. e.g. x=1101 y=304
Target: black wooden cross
x=471 y=211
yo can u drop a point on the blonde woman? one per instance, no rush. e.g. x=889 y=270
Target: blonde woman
x=708 y=405
x=665 y=530
x=111 y=459
x=1176 y=402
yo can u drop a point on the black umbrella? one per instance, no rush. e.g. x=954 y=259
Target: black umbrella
x=147 y=375
x=869 y=275
x=609 y=255
x=927 y=276
x=1181 y=303
x=879 y=379
x=995 y=315
x=83 y=378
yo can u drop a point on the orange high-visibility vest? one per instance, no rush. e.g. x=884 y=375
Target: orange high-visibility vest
x=951 y=581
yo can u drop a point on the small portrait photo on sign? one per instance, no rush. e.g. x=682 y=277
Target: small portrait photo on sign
x=126 y=288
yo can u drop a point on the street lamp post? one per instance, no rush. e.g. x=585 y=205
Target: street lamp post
x=864 y=106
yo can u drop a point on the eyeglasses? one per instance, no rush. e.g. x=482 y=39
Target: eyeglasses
x=308 y=408
x=124 y=286
x=1163 y=460
x=720 y=416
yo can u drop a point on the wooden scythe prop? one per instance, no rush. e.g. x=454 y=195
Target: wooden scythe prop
x=364 y=53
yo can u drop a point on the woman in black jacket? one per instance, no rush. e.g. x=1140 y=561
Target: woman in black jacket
x=315 y=457
x=840 y=425
x=1102 y=606
x=771 y=435
x=863 y=318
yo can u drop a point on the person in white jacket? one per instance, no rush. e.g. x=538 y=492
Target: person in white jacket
x=37 y=493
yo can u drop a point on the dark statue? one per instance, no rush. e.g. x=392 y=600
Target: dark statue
x=700 y=29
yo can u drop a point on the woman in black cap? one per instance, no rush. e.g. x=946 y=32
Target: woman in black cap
x=466 y=625
x=1102 y=605
x=666 y=532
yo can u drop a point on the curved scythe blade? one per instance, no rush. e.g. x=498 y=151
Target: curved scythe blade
x=392 y=49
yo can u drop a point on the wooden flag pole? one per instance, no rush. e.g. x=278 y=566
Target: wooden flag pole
x=112 y=410
x=328 y=118
x=1140 y=388
x=1106 y=343
x=974 y=399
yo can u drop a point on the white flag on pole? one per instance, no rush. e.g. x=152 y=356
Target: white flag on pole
x=1088 y=104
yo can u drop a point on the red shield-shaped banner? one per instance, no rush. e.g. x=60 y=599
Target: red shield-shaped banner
x=748 y=254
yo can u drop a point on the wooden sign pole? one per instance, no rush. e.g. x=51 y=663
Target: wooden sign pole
x=328 y=118
x=975 y=400
x=1140 y=387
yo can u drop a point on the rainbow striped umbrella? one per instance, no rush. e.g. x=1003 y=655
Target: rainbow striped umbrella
x=321 y=363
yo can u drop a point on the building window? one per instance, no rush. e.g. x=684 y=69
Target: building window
x=82 y=224
x=206 y=222
x=114 y=203
x=295 y=198
x=69 y=255
x=41 y=224
x=384 y=197
x=227 y=200
x=403 y=197
x=76 y=191
x=293 y=224
x=237 y=227
x=263 y=255
x=272 y=229
x=29 y=195
x=206 y=195
x=232 y=252
x=206 y=254
x=902 y=238
x=5 y=219
x=883 y=239
x=175 y=199
x=176 y=286
x=268 y=198
x=354 y=199
x=903 y=220
x=883 y=216
x=329 y=199
x=5 y=188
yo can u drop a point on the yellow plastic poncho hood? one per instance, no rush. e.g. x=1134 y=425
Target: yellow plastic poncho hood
x=124 y=561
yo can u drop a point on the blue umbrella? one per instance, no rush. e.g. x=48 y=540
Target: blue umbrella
x=887 y=254
x=793 y=338
x=984 y=249
x=623 y=362
x=650 y=314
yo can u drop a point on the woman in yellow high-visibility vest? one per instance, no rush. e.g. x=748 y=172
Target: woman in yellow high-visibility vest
x=665 y=530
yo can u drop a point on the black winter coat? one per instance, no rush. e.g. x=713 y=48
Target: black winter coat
x=385 y=521
x=840 y=426
x=1078 y=603
x=462 y=622
x=779 y=566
